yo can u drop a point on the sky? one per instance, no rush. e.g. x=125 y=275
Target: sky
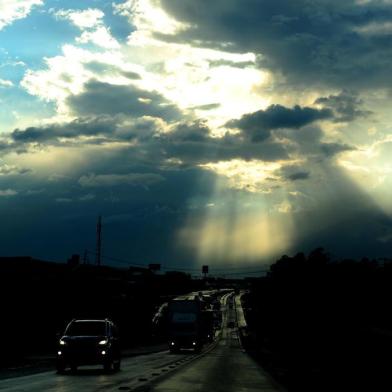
x=224 y=133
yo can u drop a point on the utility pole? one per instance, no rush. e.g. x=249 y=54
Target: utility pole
x=204 y=270
x=98 y=250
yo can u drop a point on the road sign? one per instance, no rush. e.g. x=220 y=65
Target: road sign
x=204 y=269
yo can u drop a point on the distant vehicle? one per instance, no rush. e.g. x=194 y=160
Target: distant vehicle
x=189 y=324
x=89 y=342
x=217 y=319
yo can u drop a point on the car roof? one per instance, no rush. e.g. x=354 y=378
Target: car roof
x=91 y=321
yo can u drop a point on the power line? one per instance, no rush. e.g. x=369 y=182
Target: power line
x=122 y=261
x=174 y=268
x=211 y=268
x=216 y=271
x=236 y=268
x=246 y=272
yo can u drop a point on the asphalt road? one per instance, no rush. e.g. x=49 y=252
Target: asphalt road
x=223 y=366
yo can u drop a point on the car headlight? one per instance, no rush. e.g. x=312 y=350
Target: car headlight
x=103 y=342
x=62 y=342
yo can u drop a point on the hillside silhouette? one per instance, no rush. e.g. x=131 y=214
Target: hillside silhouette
x=322 y=324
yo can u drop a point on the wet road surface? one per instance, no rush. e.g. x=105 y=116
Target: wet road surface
x=226 y=368
x=222 y=366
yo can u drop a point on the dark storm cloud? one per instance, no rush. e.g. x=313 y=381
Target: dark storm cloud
x=293 y=173
x=193 y=144
x=299 y=176
x=331 y=149
x=99 y=130
x=144 y=184
x=31 y=134
x=153 y=204
x=130 y=75
x=90 y=126
x=235 y=64
x=151 y=200
x=308 y=143
x=208 y=106
x=318 y=42
x=103 y=98
x=275 y=133
x=111 y=180
x=197 y=131
x=346 y=105
x=258 y=125
x=3 y=145
x=101 y=68
x=8 y=170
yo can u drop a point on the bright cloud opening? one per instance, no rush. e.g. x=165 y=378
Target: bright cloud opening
x=11 y=10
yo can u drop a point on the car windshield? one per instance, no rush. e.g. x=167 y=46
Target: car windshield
x=86 y=328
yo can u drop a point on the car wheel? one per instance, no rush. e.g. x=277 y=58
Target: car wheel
x=117 y=365
x=108 y=366
x=60 y=367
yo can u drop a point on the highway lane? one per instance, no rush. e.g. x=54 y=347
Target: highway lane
x=226 y=368
x=136 y=371
x=223 y=366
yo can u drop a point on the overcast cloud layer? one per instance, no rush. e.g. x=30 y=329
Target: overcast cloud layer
x=226 y=132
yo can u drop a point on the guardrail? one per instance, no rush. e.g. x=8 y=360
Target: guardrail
x=241 y=321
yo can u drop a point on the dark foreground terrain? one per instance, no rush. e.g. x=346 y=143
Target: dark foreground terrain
x=39 y=298
x=323 y=325
x=315 y=324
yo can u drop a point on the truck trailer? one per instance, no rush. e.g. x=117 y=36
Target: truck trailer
x=190 y=324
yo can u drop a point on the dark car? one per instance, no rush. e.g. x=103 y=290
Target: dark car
x=89 y=342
